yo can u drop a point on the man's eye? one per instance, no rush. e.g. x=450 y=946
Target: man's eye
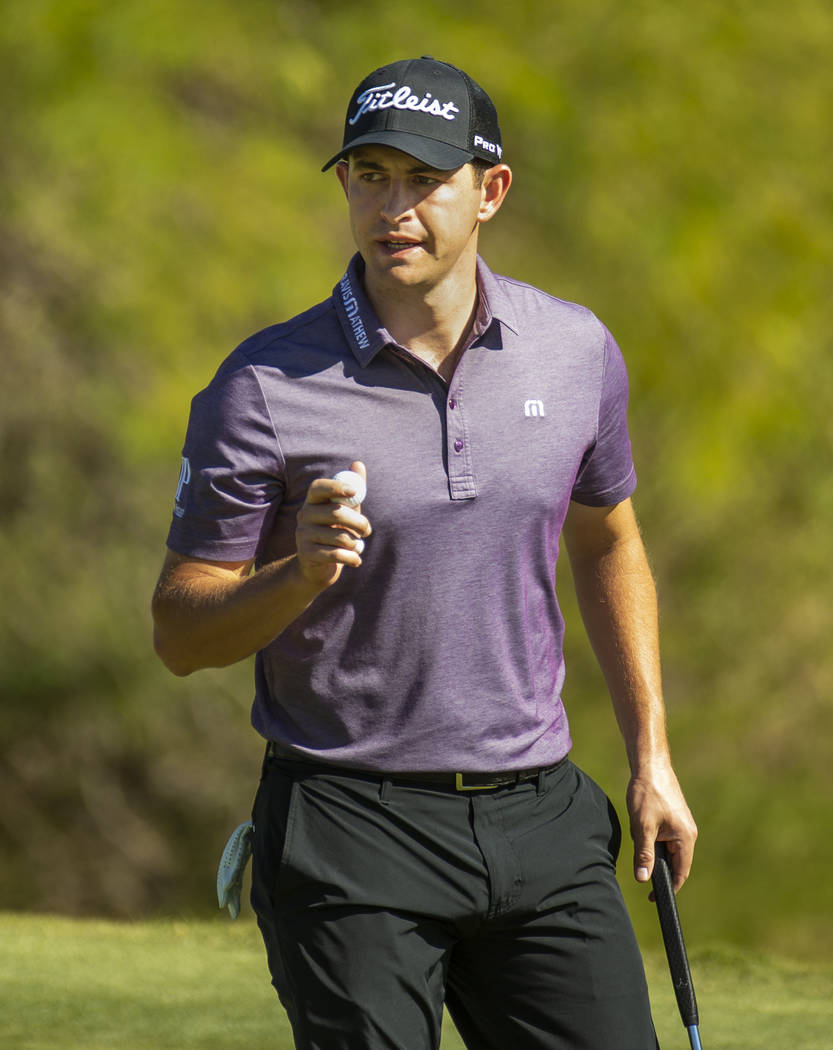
x=425 y=180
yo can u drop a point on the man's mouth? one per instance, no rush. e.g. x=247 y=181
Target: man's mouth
x=394 y=246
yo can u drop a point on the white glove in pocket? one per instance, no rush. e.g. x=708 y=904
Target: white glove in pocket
x=232 y=865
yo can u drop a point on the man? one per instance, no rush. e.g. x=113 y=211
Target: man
x=420 y=834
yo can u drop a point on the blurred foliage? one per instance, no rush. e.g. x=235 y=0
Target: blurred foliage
x=161 y=199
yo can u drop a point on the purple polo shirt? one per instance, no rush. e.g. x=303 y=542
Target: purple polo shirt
x=444 y=650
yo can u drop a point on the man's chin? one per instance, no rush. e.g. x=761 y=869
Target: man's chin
x=399 y=273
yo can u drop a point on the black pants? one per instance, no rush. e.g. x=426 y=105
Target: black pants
x=379 y=901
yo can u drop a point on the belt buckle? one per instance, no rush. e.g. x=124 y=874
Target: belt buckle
x=460 y=786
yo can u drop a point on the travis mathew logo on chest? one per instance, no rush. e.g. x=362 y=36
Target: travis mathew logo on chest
x=386 y=96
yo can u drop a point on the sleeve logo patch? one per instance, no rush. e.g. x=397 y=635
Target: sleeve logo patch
x=184 y=479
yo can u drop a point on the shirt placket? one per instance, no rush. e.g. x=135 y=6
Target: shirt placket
x=460 y=460
x=461 y=479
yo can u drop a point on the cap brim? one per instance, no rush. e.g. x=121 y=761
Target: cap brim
x=435 y=154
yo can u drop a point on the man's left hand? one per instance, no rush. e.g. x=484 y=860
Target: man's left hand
x=659 y=812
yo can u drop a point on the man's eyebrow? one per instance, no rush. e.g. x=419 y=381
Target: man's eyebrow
x=372 y=165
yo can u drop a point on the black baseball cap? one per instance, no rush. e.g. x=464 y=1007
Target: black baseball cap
x=431 y=110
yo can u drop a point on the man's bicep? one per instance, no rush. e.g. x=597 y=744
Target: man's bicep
x=592 y=531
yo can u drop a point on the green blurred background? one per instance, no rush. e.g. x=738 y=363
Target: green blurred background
x=160 y=199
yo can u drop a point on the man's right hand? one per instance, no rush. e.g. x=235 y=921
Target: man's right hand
x=330 y=535
x=213 y=613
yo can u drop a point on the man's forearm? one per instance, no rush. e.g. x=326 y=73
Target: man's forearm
x=618 y=604
x=206 y=616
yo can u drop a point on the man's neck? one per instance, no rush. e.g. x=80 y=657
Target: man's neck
x=433 y=325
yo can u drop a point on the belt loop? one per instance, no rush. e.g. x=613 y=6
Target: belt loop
x=266 y=756
x=542 y=776
x=384 y=791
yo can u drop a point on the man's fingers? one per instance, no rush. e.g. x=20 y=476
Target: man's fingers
x=321 y=563
x=330 y=532
x=326 y=541
x=681 y=856
x=326 y=490
x=334 y=514
x=321 y=510
x=643 y=855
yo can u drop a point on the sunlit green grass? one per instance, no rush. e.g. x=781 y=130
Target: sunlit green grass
x=93 y=985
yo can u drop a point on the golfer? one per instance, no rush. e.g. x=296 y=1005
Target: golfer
x=421 y=835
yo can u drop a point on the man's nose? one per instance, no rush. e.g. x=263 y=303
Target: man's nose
x=397 y=202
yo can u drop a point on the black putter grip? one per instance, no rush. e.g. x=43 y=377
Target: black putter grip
x=672 y=935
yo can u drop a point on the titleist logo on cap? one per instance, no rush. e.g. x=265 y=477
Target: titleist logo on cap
x=386 y=96
x=430 y=110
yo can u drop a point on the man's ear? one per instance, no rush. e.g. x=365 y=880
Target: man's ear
x=343 y=173
x=496 y=183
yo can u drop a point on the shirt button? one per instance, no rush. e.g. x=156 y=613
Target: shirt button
x=458 y=445
x=452 y=403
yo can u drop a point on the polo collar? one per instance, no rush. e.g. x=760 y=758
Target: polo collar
x=494 y=300
x=362 y=328
x=364 y=331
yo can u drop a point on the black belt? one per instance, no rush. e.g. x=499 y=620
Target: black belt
x=455 y=781
x=474 y=781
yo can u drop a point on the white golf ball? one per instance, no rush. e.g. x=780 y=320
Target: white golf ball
x=355 y=481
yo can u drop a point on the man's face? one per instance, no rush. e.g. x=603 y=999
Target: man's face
x=413 y=225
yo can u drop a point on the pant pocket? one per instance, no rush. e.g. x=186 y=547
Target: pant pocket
x=272 y=836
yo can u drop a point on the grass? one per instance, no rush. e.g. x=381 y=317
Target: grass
x=203 y=985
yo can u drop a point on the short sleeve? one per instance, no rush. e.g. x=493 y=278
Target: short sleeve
x=607 y=475
x=232 y=469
